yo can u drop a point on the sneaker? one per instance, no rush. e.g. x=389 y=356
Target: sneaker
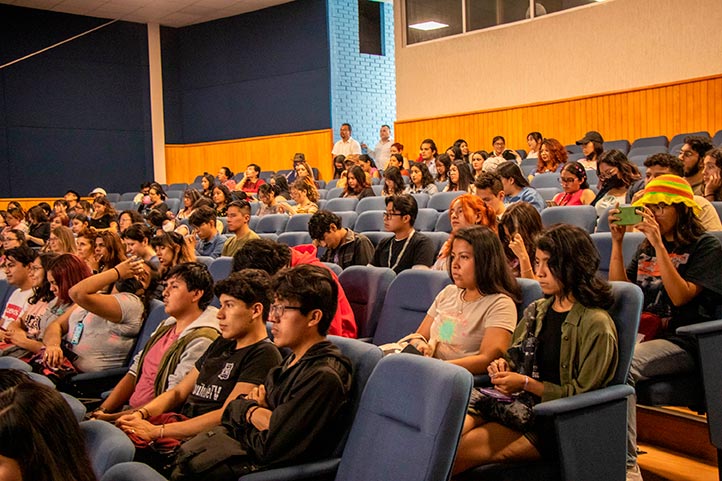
x=634 y=474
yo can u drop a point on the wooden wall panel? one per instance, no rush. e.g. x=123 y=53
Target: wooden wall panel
x=668 y=109
x=185 y=162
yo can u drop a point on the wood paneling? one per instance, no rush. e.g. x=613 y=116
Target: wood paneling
x=668 y=109
x=185 y=162
x=28 y=202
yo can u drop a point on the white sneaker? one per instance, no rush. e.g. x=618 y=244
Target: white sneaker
x=634 y=474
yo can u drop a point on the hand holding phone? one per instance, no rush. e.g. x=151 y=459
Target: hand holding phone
x=628 y=215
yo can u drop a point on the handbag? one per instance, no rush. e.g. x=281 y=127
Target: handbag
x=56 y=374
x=212 y=456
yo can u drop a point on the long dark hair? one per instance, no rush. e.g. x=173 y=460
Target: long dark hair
x=39 y=431
x=509 y=170
x=573 y=261
x=491 y=272
x=43 y=292
x=687 y=229
x=394 y=175
x=426 y=177
x=360 y=176
x=524 y=219
x=465 y=177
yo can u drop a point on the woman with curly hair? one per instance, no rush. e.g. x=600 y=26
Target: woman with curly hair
x=421 y=180
x=104 y=215
x=305 y=195
x=552 y=154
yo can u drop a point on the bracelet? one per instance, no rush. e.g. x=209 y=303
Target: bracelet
x=251 y=410
x=162 y=430
x=117 y=272
x=101 y=409
x=526 y=382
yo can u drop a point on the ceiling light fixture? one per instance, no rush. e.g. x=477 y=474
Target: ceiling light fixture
x=426 y=26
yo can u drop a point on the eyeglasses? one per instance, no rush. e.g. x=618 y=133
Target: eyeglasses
x=277 y=310
x=567 y=180
x=389 y=215
x=657 y=208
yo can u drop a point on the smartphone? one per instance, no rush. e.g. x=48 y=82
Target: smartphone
x=628 y=216
x=492 y=392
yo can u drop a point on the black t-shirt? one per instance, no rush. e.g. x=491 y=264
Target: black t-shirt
x=102 y=222
x=419 y=251
x=550 y=344
x=222 y=366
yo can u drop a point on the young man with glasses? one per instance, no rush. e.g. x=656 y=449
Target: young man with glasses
x=301 y=410
x=407 y=248
x=238 y=215
x=692 y=154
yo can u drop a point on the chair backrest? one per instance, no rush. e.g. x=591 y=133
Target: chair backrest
x=272 y=224
x=549 y=179
x=348 y=218
x=173 y=204
x=5 y=291
x=156 y=315
x=106 y=445
x=442 y=200
x=621 y=145
x=364 y=357
x=443 y=222
x=132 y=471
x=717 y=139
x=268 y=235
x=376 y=237
x=175 y=194
x=414 y=440
x=426 y=220
x=573 y=148
x=626 y=310
x=334 y=192
x=530 y=292
x=647 y=150
x=718 y=208
x=370 y=221
x=365 y=288
x=678 y=140
x=651 y=141
x=584 y=216
x=205 y=260
x=298 y=223
x=331 y=184
x=295 y=238
x=126 y=196
x=548 y=193
x=112 y=197
x=439 y=238
x=221 y=268
x=340 y=204
x=377 y=189
x=370 y=203
x=122 y=205
x=408 y=298
x=322 y=193
x=178 y=186
x=78 y=408
x=603 y=221
x=603 y=243
x=334 y=267
x=9 y=362
x=255 y=207
x=422 y=199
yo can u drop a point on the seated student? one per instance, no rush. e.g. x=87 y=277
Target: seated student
x=393 y=182
x=477 y=162
x=282 y=185
x=305 y=195
x=616 y=174
x=235 y=363
x=490 y=189
x=356 y=184
x=225 y=177
x=137 y=243
x=460 y=177
x=338 y=166
x=397 y=160
x=109 y=250
x=443 y=164
x=517 y=188
x=660 y=164
x=208 y=242
x=190 y=197
x=61 y=241
x=576 y=350
x=267 y=195
x=103 y=328
x=712 y=175
x=673 y=268
x=104 y=215
x=518 y=229
x=576 y=191
x=301 y=410
x=156 y=201
x=421 y=181
x=40 y=440
x=16 y=220
x=62 y=272
x=83 y=207
x=272 y=256
x=471 y=321
x=172 y=250
x=251 y=180
x=126 y=219
x=18 y=262
x=406 y=248
x=221 y=198
x=174 y=347
x=344 y=247
x=85 y=247
x=552 y=155
x=79 y=222
x=238 y=216
x=39 y=227
x=368 y=166
x=23 y=333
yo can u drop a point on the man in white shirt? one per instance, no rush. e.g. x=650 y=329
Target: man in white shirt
x=18 y=262
x=382 y=151
x=347 y=145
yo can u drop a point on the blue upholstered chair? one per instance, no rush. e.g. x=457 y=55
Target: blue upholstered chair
x=348 y=218
x=589 y=430
x=292 y=239
x=443 y=222
x=221 y=268
x=426 y=220
x=132 y=471
x=370 y=203
x=334 y=267
x=8 y=362
x=334 y=192
x=78 y=408
x=549 y=179
x=272 y=224
x=106 y=444
x=422 y=199
x=584 y=216
x=548 y=193
x=298 y=223
x=127 y=196
x=341 y=203
x=376 y=237
x=439 y=238
x=268 y=235
x=621 y=145
x=651 y=141
x=205 y=260
x=365 y=288
x=603 y=243
x=408 y=298
x=370 y=221
x=442 y=200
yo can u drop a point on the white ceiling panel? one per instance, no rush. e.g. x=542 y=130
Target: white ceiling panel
x=171 y=13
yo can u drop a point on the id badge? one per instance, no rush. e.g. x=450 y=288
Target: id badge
x=76 y=334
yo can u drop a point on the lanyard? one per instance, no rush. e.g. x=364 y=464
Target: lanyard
x=401 y=254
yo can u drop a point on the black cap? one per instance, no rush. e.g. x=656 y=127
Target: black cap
x=591 y=136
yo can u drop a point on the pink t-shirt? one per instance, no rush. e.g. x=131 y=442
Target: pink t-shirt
x=144 y=387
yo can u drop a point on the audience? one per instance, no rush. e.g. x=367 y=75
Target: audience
x=575 y=351
x=356 y=185
x=208 y=183
x=692 y=155
x=421 y=181
x=137 y=244
x=344 y=247
x=393 y=181
x=251 y=180
x=575 y=186
x=517 y=188
x=407 y=247
x=267 y=196
x=464 y=147
x=338 y=166
x=17 y=267
x=104 y=215
x=477 y=163
x=156 y=201
x=427 y=155
x=368 y=166
x=534 y=141
x=500 y=154
x=443 y=163
x=85 y=243
x=616 y=175
x=109 y=250
x=239 y=214
x=281 y=184
x=205 y=239
x=225 y=178
x=221 y=199
x=460 y=178
x=172 y=249
x=304 y=195
x=39 y=228
x=518 y=229
x=552 y=155
x=592 y=147
x=80 y=222
x=190 y=197
x=60 y=219
x=397 y=160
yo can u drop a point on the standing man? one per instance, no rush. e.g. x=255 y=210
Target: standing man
x=692 y=155
x=407 y=248
x=238 y=215
x=344 y=247
x=382 y=151
x=347 y=145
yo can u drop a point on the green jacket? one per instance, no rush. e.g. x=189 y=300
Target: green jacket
x=588 y=358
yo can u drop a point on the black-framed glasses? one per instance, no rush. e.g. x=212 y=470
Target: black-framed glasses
x=389 y=215
x=277 y=310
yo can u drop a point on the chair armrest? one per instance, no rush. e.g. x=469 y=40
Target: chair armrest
x=93 y=376
x=367 y=340
x=482 y=380
x=584 y=400
x=319 y=470
x=701 y=328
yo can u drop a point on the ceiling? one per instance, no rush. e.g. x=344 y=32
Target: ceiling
x=171 y=13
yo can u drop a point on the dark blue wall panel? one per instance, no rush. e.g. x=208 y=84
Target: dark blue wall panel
x=76 y=116
x=261 y=73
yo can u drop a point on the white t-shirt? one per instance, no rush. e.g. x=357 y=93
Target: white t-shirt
x=459 y=326
x=17 y=303
x=351 y=146
x=381 y=153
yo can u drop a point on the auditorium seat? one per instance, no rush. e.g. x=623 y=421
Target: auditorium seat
x=370 y=203
x=366 y=288
x=573 y=148
x=376 y=237
x=660 y=140
x=292 y=239
x=717 y=139
x=442 y=200
x=548 y=193
x=178 y=186
x=122 y=205
x=272 y=224
x=128 y=196
x=348 y=218
x=377 y=189
x=422 y=199
x=334 y=192
x=603 y=243
x=443 y=223
x=426 y=220
x=621 y=145
x=439 y=238
x=370 y=221
x=675 y=145
x=584 y=216
x=112 y=197
x=341 y=204
x=548 y=179
x=298 y=223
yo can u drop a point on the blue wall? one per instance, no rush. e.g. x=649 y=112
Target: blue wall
x=261 y=73
x=76 y=116
x=363 y=87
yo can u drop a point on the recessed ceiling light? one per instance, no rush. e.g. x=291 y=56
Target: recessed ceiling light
x=426 y=26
